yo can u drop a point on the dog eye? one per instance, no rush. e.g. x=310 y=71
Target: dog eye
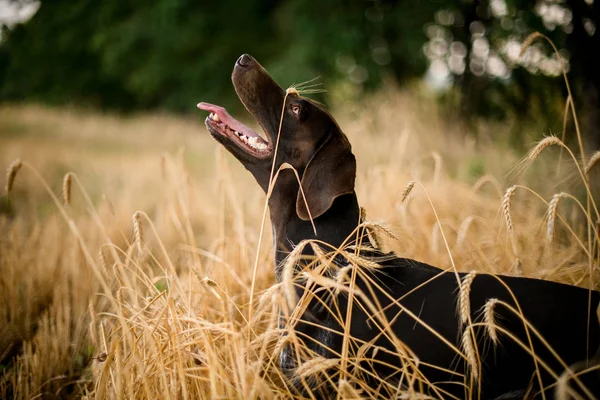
x=295 y=109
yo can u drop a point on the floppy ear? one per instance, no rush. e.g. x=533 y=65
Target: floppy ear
x=330 y=173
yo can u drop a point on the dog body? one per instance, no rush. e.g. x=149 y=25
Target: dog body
x=413 y=325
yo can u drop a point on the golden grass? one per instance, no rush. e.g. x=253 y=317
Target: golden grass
x=141 y=286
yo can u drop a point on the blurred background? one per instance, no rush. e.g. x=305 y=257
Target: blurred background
x=98 y=100
x=124 y=56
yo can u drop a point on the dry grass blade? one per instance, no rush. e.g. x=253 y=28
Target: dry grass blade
x=11 y=174
x=157 y=332
x=347 y=391
x=138 y=231
x=407 y=189
x=465 y=301
x=592 y=162
x=552 y=209
x=490 y=319
x=66 y=187
x=562 y=387
x=343 y=276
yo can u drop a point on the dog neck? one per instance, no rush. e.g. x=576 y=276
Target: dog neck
x=333 y=227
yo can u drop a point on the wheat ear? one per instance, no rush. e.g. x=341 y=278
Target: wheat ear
x=490 y=320
x=67 y=183
x=138 y=231
x=469 y=348
x=407 y=189
x=465 y=301
x=11 y=174
x=542 y=145
x=528 y=42
x=506 y=201
x=552 y=209
x=593 y=161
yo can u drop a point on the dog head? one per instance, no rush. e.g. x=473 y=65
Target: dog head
x=297 y=131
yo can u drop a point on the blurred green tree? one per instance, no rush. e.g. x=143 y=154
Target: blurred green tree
x=169 y=54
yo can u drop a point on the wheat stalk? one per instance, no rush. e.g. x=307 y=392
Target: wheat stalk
x=469 y=348
x=289 y=273
x=529 y=41
x=138 y=231
x=347 y=391
x=407 y=189
x=465 y=301
x=315 y=365
x=594 y=159
x=11 y=174
x=490 y=320
x=542 y=145
x=378 y=228
x=270 y=295
x=66 y=187
x=506 y=201
x=211 y=285
x=552 y=209
x=102 y=260
x=562 y=387
x=361 y=261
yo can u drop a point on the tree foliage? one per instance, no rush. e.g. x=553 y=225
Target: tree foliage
x=169 y=54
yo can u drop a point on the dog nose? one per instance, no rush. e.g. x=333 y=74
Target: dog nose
x=244 y=60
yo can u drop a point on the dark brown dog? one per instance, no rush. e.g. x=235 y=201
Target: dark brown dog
x=419 y=302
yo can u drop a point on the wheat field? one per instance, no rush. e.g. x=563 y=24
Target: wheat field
x=128 y=245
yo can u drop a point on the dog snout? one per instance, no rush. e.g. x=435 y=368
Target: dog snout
x=245 y=60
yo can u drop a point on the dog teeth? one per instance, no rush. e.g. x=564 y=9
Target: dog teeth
x=256 y=144
x=215 y=117
x=252 y=141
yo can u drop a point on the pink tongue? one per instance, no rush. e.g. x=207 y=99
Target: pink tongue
x=227 y=119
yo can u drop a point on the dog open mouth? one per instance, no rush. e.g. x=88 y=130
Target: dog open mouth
x=222 y=125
